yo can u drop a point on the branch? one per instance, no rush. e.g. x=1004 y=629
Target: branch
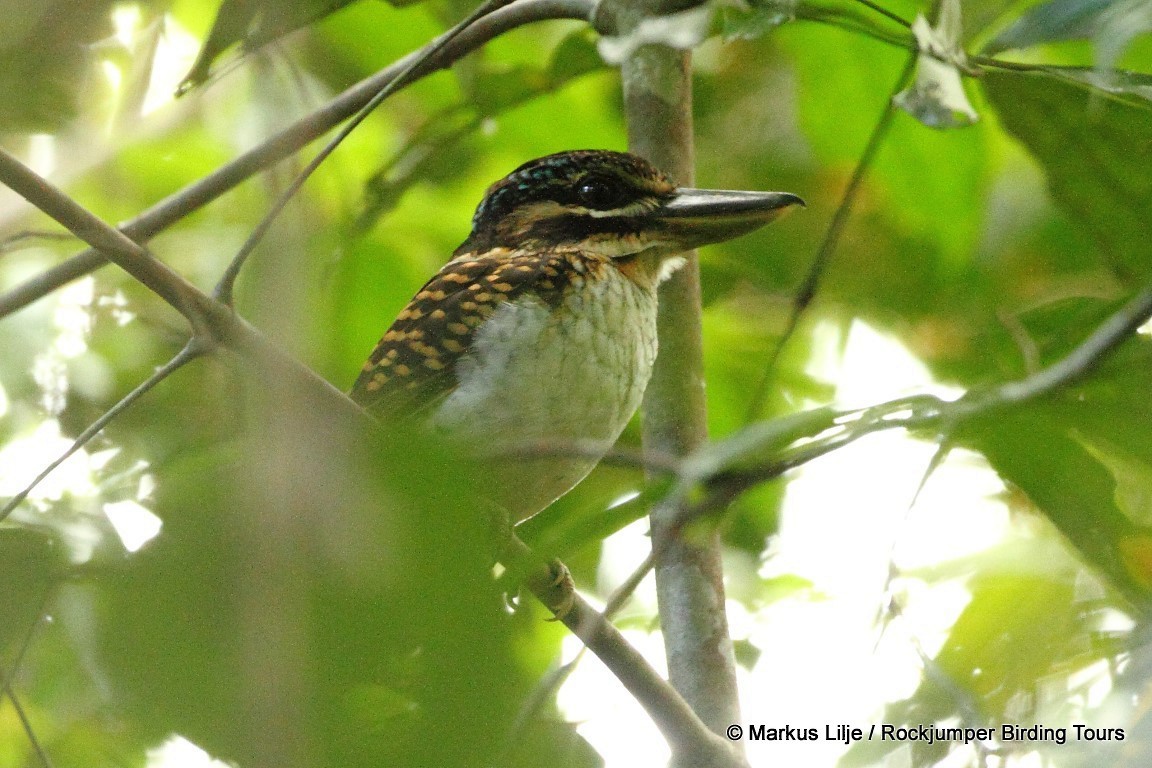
x=795 y=440
x=212 y=323
x=691 y=742
x=851 y=19
x=7 y=676
x=1079 y=363
x=186 y=355
x=224 y=288
x=689 y=574
x=114 y=244
x=292 y=139
x=807 y=290
x=208 y=319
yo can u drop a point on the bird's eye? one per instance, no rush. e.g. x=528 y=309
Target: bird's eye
x=598 y=194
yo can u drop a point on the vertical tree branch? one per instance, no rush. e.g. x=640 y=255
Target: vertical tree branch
x=689 y=579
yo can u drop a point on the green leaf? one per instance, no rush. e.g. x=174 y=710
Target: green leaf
x=1049 y=22
x=317 y=588
x=1120 y=25
x=47 y=61
x=747 y=653
x=1083 y=459
x=925 y=193
x=1017 y=629
x=555 y=742
x=29 y=563
x=1132 y=476
x=1111 y=24
x=755 y=19
x=576 y=55
x=1086 y=140
x=255 y=23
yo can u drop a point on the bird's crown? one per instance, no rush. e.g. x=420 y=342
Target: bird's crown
x=568 y=198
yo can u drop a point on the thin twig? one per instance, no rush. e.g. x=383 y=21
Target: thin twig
x=807 y=290
x=212 y=323
x=190 y=352
x=406 y=166
x=13 y=242
x=714 y=467
x=551 y=684
x=623 y=593
x=853 y=20
x=7 y=679
x=851 y=24
x=26 y=724
x=889 y=608
x=224 y=288
x=114 y=244
x=1078 y=363
x=886 y=13
x=724 y=481
x=195 y=196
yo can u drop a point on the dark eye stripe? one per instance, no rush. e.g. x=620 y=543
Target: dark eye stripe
x=591 y=184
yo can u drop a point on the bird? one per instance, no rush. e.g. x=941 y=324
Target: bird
x=541 y=328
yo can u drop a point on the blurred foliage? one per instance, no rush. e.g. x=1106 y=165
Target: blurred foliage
x=319 y=594
x=254 y=24
x=47 y=52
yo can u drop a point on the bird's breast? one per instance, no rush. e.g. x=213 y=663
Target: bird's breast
x=550 y=374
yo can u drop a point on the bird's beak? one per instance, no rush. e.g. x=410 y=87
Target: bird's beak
x=697 y=217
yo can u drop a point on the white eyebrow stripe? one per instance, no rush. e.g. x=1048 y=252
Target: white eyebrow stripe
x=640 y=206
x=541 y=209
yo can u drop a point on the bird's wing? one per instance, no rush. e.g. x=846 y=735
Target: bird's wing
x=413 y=366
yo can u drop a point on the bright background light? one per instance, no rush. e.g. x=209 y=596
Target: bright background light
x=849 y=520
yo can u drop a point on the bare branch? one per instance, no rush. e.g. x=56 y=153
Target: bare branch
x=224 y=288
x=115 y=245
x=689 y=739
x=723 y=468
x=292 y=139
x=689 y=574
x=212 y=322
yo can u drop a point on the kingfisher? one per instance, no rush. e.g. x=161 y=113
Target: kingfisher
x=541 y=329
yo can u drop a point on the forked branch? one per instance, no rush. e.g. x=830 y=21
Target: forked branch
x=289 y=141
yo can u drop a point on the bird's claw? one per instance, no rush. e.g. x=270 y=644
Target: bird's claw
x=561 y=591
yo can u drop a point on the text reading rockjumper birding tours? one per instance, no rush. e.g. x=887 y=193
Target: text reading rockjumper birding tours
x=928 y=734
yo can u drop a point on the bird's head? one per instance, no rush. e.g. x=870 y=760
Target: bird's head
x=615 y=204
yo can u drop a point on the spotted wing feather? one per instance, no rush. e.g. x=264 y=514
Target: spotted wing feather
x=413 y=366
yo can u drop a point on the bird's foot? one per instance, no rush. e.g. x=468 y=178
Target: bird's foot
x=561 y=591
